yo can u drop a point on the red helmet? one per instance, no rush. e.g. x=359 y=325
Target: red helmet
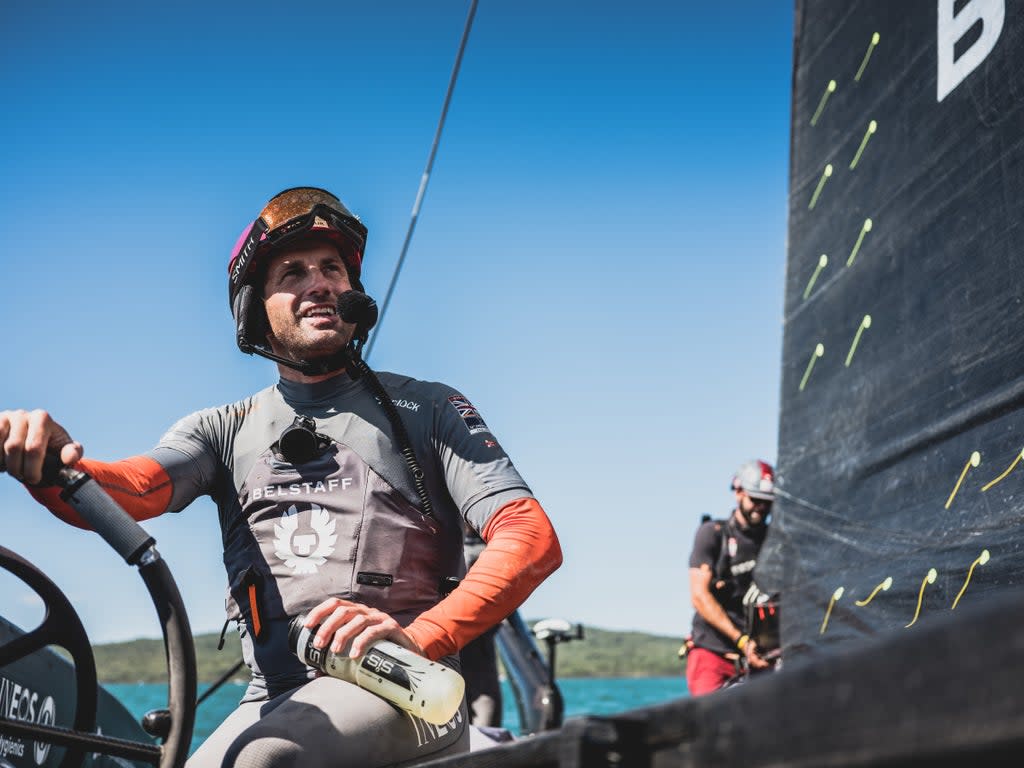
x=290 y=217
x=757 y=478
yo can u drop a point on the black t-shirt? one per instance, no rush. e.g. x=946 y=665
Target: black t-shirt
x=731 y=553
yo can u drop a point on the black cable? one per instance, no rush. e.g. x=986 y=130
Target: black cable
x=425 y=179
x=401 y=435
x=219 y=682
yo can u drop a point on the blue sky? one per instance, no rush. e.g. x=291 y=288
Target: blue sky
x=598 y=264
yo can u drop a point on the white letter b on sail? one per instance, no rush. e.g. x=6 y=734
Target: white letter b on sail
x=952 y=28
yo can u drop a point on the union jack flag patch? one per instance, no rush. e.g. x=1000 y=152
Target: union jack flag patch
x=470 y=415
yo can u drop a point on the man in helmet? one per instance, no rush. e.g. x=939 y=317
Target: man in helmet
x=721 y=571
x=341 y=494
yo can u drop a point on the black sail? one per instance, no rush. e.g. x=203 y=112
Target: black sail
x=903 y=356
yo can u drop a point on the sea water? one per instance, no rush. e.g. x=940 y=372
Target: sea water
x=582 y=696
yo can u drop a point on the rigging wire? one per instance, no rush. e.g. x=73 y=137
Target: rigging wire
x=424 y=180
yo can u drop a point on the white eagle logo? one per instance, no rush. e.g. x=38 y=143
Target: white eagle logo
x=304 y=552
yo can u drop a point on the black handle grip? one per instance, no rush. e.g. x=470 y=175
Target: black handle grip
x=96 y=508
x=103 y=515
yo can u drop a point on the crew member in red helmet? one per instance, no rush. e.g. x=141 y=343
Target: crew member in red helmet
x=721 y=571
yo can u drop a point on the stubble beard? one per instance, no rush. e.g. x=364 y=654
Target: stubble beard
x=300 y=344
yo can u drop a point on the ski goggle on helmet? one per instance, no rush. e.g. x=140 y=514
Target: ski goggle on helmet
x=294 y=216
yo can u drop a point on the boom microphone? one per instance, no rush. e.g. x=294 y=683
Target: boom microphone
x=358 y=308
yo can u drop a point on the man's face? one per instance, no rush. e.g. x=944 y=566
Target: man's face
x=300 y=295
x=754 y=510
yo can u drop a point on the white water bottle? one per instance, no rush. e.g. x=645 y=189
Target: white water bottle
x=424 y=688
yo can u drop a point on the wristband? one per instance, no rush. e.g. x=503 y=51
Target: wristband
x=741 y=643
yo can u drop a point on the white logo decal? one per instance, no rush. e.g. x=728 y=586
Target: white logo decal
x=10 y=747
x=298 y=489
x=740 y=568
x=46 y=717
x=427 y=733
x=18 y=702
x=379 y=664
x=305 y=551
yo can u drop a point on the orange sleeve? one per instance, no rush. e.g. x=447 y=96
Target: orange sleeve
x=139 y=484
x=522 y=550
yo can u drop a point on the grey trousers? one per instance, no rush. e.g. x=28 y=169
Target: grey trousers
x=327 y=723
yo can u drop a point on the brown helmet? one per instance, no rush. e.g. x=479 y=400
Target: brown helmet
x=289 y=217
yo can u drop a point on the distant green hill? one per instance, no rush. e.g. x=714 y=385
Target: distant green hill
x=142 y=661
x=607 y=653
x=603 y=653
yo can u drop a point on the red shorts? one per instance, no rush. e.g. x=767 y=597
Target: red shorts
x=707 y=671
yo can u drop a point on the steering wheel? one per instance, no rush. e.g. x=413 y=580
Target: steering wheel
x=62 y=626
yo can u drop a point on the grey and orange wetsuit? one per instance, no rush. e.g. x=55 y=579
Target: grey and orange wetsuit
x=346 y=524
